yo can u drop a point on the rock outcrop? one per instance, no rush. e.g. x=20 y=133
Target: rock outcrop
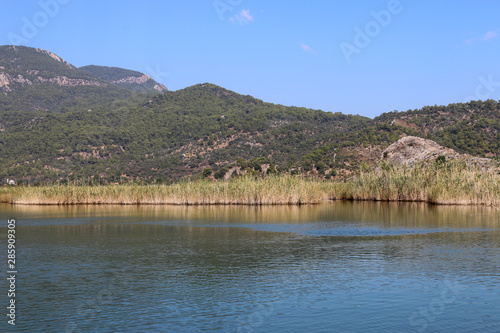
x=133 y=79
x=125 y=78
x=6 y=80
x=53 y=56
x=411 y=149
x=140 y=80
x=64 y=81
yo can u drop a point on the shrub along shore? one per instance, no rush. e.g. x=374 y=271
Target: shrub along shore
x=456 y=183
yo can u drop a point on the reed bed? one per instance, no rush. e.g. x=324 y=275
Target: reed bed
x=244 y=190
x=455 y=183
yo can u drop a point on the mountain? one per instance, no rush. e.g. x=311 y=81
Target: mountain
x=35 y=79
x=168 y=136
x=126 y=78
x=469 y=128
x=61 y=123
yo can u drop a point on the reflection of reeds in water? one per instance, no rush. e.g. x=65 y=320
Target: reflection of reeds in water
x=216 y=213
x=412 y=214
x=451 y=183
x=338 y=213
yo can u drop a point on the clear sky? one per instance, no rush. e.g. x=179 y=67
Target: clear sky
x=356 y=57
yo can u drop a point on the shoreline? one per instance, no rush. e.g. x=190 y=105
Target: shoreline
x=325 y=201
x=187 y=204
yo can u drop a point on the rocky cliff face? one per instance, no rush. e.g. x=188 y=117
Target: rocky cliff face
x=125 y=78
x=130 y=80
x=64 y=81
x=9 y=83
x=33 y=79
x=53 y=56
x=411 y=149
x=22 y=66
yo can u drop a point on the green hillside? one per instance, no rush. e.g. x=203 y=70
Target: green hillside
x=472 y=128
x=169 y=136
x=34 y=79
x=31 y=63
x=182 y=133
x=105 y=133
x=109 y=73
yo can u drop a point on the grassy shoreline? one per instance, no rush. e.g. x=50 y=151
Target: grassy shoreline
x=455 y=183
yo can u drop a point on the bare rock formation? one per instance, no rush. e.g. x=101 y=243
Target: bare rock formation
x=411 y=149
x=140 y=80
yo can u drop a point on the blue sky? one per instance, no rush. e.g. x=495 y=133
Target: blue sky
x=355 y=57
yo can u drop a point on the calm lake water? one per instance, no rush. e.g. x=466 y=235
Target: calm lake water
x=340 y=267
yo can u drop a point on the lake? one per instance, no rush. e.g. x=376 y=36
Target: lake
x=336 y=267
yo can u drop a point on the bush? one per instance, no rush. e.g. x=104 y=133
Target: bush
x=255 y=164
x=206 y=172
x=271 y=169
x=440 y=160
x=241 y=163
x=320 y=166
x=220 y=173
x=307 y=166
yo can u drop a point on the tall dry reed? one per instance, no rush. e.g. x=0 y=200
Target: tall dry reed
x=244 y=190
x=455 y=182
x=450 y=183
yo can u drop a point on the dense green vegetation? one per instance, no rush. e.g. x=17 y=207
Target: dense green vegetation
x=165 y=137
x=182 y=133
x=31 y=62
x=109 y=73
x=108 y=133
x=39 y=80
x=472 y=128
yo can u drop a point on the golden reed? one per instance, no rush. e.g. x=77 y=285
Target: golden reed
x=452 y=183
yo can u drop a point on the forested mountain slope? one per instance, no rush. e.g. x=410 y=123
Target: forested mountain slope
x=60 y=123
x=472 y=128
x=34 y=79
